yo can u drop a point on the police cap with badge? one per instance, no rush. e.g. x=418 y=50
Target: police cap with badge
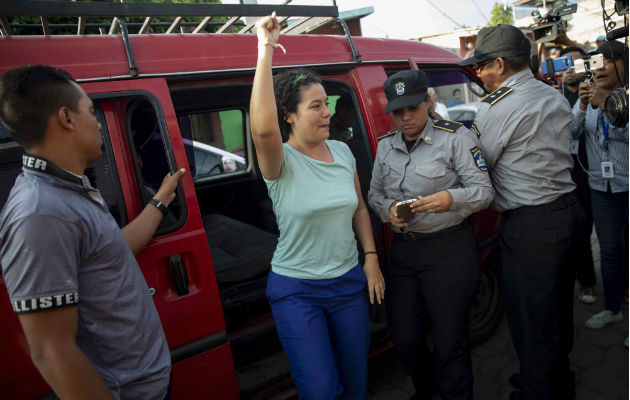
x=404 y=89
x=409 y=88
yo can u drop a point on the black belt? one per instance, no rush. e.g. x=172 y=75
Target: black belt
x=562 y=202
x=413 y=236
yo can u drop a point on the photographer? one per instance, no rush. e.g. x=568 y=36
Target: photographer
x=607 y=151
x=584 y=258
x=571 y=80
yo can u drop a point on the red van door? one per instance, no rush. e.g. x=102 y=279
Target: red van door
x=176 y=263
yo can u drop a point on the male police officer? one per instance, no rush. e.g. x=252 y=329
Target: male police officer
x=524 y=129
x=86 y=311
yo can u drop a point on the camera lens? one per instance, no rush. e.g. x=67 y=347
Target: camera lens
x=616 y=108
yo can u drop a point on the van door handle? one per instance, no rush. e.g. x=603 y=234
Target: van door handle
x=180 y=277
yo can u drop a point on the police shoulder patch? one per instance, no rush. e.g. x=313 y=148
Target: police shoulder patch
x=447 y=125
x=477 y=155
x=476 y=130
x=497 y=95
x=390 y=133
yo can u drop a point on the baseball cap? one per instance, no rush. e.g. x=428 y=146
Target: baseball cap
x=498 y=41
x=405 y=88
x=611 y=50
x=601 y=38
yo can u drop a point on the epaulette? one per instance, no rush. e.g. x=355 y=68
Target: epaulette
x=447 y=125
x=390 y=133
x=497 y=95
x=476 y=130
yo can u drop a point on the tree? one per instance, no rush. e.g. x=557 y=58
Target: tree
x=501 y=15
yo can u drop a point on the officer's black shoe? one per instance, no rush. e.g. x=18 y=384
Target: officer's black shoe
x=516 y=395
x=515 y=380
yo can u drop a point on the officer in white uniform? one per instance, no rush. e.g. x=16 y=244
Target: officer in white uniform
x=434 y=260
x=524 y=130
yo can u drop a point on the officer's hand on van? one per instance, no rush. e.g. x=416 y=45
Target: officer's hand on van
x=394 y=218
x=268 y=29
x=166 y=192
x=438 y=202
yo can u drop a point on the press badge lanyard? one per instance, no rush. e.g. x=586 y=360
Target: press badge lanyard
x=607 y=166
x=605 y=128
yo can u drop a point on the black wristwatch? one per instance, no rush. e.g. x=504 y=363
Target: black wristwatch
x=160 y=206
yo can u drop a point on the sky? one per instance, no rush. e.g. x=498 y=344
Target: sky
x=406 y=19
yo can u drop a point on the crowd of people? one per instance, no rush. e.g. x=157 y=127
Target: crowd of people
x=552 y=168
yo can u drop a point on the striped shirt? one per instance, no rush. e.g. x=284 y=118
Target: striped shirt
x=589 y=123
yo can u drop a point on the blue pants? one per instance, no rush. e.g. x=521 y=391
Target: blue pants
x=324 y=328
x=610 y=213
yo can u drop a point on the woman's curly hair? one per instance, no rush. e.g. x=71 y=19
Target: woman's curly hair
x=288 y=88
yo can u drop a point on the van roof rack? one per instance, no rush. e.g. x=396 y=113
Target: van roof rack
x=312 y=17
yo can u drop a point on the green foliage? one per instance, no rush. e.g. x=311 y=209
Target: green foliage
x=34 y=23
x=501 y=15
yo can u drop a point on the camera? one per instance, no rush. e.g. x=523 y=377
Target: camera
x=546 y=28
x=587 y=64
x=550 y=67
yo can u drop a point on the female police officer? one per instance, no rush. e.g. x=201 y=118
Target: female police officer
x=434 y=260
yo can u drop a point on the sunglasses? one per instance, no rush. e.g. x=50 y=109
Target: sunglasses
x=479 y=67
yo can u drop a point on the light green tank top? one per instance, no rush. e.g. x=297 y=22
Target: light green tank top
x=314 y=203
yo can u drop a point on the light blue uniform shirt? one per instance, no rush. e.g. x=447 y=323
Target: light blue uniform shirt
x=314 y=203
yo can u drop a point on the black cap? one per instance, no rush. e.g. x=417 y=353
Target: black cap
x=405 y=88
x=611 y=50
x=498 y=41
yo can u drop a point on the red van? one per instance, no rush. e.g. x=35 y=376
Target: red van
x=168 y=101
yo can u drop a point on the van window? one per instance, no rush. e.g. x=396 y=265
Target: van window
x=217 y=139
x=148 y=138
x=102 y=173
x=446 y=85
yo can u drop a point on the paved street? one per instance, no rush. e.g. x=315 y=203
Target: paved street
x=599 y=359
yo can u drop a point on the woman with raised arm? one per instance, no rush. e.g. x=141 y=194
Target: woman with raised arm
x=317 y=289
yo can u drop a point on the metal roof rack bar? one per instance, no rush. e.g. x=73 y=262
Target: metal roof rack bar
x=145 y=25
x=202 y=25
x=5 y=25
x=99 y=9
x=133 y=70
x=175 y=25
x=81 y=26
x=229 y=23
x=113 y=28
x=355 y=53
x=130 y=25
x=45 y=26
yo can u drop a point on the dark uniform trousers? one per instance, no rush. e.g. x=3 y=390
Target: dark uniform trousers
x=584 y=253
x=536 y=245
x=434 y=277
